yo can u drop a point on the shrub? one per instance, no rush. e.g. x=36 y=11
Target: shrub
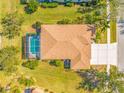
x=23 y=1
x=64 y=21
x=16 y=89
x=98 y=37
x=51 y=92
x=46 y=90
x=49 y=4
x=30 y=64
x=84 y=9
x=83 y=4
x=78 y=20
x=2 y=89
x=26 y=81
x=37 y=26
x=97 y=13
x=89 y=3
x=69 y=4
x=56 y=63
x=31 y=7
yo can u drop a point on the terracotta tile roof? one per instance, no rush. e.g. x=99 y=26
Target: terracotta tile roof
x=67 y=42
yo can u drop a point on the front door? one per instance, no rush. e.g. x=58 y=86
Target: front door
x=67 y=63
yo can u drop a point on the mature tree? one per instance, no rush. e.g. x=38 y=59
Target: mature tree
x=26 y=81
x=11 y=24
x=8 y=59
x=95 y=14
x=32 y=6
x=99 y=81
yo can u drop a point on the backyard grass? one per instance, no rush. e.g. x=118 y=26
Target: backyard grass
x=52 y=15
x=45 y=15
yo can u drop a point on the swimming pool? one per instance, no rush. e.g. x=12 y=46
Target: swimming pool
x=33 y=46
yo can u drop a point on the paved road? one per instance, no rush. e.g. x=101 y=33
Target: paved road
x=120 y=36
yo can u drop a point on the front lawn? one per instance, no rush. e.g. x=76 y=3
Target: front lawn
x=113 y=31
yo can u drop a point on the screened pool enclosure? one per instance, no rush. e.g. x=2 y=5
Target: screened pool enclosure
x=32 y=46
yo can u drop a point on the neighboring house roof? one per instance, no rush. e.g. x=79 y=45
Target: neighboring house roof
x=37 y=90
x=67 y=42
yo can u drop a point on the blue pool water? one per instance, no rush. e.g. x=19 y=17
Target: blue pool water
x=33 y=46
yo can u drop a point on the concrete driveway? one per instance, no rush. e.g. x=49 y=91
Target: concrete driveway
x=120 y=35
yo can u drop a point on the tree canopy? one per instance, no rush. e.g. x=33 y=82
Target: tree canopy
x=32 y=6
x=94 y=80
x=8 y=59
x=96 y=13
x=11 y=25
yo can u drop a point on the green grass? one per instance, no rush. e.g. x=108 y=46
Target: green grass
x=52 y=15
x=49 y=77
x=113 y=31
x=3 y=78
x=45 y=15
x=112 y=26
x=121 y=88
x=55 y=78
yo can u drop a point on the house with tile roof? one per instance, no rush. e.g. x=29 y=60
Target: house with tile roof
x=63 y=42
